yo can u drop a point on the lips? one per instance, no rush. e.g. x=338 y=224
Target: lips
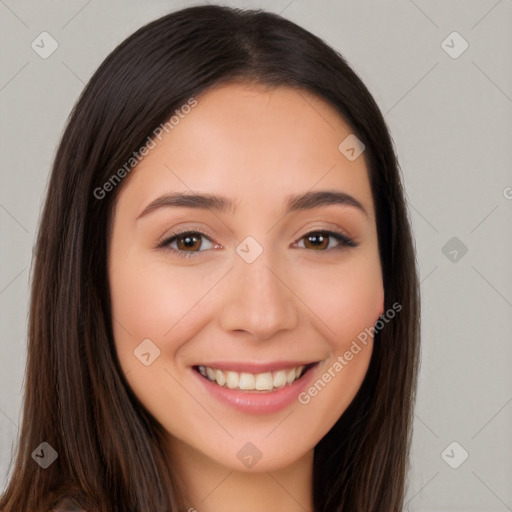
x=255 y=388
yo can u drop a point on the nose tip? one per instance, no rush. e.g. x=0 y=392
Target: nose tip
x=258 y=301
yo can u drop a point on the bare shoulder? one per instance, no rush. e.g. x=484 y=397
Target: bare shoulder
x=67 y=504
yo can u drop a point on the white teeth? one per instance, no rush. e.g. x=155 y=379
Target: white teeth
x=219 y=377
x=279 y=379
x=264 y=381
x=247 y=381
x=267 y=381
x=231 y=380
x=291 y=376
x=209 y=373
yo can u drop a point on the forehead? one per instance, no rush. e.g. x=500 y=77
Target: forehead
x=254 y=145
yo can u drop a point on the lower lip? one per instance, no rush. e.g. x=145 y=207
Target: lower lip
x=258 y=402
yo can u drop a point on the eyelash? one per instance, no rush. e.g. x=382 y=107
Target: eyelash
x=340 y=237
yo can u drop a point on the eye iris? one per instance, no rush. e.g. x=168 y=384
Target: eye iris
x=185 y=242
x=319 y=241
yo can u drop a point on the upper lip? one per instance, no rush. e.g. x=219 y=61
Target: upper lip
x=255 y=367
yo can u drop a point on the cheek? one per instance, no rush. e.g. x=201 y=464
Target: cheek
x=152 y=301
x=148 y=300
x=345 y=299
x=345 y=308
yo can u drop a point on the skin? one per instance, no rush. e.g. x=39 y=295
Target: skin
x=294 y=302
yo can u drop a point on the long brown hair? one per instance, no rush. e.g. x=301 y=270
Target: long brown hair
x=110 y=450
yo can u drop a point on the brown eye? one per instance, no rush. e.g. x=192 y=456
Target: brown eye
x=187 y=243
x=316 y=241
x=320 y=240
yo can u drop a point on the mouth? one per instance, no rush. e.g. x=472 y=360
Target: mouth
x=248 y=382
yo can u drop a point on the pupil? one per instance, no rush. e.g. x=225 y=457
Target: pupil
x=317 y=240
x=189 y=241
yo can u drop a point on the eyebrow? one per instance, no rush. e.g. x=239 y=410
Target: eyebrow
x=306 y=201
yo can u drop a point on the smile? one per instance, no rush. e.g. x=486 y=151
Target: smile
x=255 y=388
x=244 y=381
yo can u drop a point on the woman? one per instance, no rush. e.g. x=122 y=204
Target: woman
x=225 y=306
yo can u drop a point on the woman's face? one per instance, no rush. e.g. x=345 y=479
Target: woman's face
x=236 y=333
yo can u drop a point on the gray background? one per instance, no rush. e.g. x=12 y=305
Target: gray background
x=452 y=125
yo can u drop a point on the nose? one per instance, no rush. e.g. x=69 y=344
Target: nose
x=258 y=299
